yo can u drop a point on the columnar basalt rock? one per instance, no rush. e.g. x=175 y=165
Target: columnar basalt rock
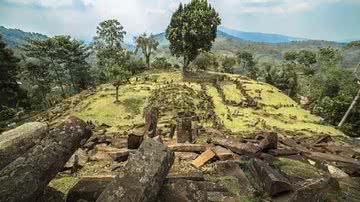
x=26 y=178
x=151 y=119
x=184 y=127
x=144 y=176
x=18 y=141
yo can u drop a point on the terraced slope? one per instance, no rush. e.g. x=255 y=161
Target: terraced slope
x=229 y=102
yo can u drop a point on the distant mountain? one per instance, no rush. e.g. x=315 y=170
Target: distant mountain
x=259 y=37
x=17 y=37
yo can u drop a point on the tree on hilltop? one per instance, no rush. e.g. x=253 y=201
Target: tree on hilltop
x=192 y=30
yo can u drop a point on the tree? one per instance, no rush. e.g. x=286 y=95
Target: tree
x=228 y=63
x=64 y=58
x=147 y=45
x=306 y=58
x=10 y=91
x=329 y=56
x=107 y=43
x=47 y=53
x=119 y=76
x=246 y=60
x=354 y=102
x=39 y=77
x=291 y=56
x=205 y=61
x=192 y=30
x=161 y=63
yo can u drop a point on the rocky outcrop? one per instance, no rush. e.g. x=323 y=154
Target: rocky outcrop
x=26 y=178
x=18 y=141
x=145 y=173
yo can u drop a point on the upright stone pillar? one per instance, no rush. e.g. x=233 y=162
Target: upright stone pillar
x=183 y=127
x=151 y=119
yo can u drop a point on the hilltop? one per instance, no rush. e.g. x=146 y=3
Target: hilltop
x=230 y=103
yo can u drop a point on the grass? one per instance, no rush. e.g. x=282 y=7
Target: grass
x=276 y=112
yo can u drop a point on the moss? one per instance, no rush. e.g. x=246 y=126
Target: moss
x=297 y=168
x=64 y=184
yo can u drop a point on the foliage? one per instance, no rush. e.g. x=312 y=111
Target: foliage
x=161 y=63
x=10 y=91
x=334 y=92
x=109 y=34
x=192 y=29
x=148 y=45
x=64 y=58
x=17 y=37
x=329 y=56
x=228 y=63
x=206 y=61
x=39 y=78
x=246 y=60
x=283 y=77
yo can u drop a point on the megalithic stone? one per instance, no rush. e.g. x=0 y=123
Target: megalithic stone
x=144 y=175
x=151 y=119
x=18 y=141
x=26 y=178
x=183 y=128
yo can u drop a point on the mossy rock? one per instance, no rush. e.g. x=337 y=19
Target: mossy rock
x=298 y=169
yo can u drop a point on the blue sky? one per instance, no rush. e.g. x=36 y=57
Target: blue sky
x=336 y=20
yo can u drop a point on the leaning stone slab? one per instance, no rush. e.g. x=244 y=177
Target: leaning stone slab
x=144 y=174
x=187 y=147
x=26 y=178
x=18 y=141
x=237 y=147
x=272 y=181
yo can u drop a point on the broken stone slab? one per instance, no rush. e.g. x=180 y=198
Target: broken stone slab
x=236 y=147
x=318 y=156
x=119 y=142
x=203 y=158
x=313 y=190
x=182 y=190
x=222 y=153
x=231 y=168
x=336 y=172
x=134 y=140
x=144 y=176
x=187 y=156
x=187 y=147
x=27 y=177
x=292 y=143
x=100 y=156
x=88 y=189
x=120 y=155
x=282 y=152
x=18 y=141
x=269 y=141
x=272 y=181
x=80 y=157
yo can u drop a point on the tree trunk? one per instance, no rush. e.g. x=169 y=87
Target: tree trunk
x=117 y=94
x=26 y=178
x=147 y=58
x=349 y=110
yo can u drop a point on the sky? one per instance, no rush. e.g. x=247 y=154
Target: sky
x=336 y=20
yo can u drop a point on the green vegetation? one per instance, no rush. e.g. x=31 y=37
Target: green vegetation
x=147 y=45
x=192 y=29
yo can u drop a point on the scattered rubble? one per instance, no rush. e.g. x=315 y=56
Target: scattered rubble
x=145 y=172
x=26 y=178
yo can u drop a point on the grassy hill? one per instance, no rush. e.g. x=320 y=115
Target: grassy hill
x=231 y=103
